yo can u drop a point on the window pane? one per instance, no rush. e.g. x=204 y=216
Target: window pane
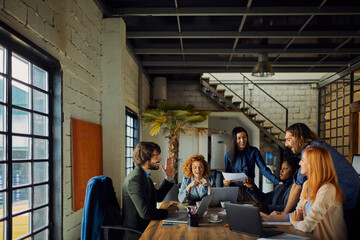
x=2 y=61
x=2 y=147
x=21 y=148
x=2 y=176
x=41 y=195
x=21 y=225
x=40 y=125
x=40 y=78
x=43 y=235
x=21 y=121
x=40 y=218
x=41 y=170
x=40 y=102
x=2 y=118
x=2 y=227
x=40 y=148
x=2 y=89
x=2 y=203
x=21 y=173
x=20 y=95
x=21 y=200
x=20 y=68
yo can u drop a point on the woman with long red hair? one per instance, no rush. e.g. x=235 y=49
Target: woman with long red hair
x=320 y=207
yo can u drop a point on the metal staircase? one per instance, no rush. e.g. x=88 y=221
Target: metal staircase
x=265 y=125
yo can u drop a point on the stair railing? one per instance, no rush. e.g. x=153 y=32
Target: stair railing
x=252 y=107
x=286 y=110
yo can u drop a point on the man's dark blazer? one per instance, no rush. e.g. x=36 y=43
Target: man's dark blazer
x=139 y=199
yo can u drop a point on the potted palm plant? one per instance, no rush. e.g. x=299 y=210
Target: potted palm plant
x=174 y=119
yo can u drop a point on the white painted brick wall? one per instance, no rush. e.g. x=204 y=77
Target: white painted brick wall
x=145 y=92
x=131 y=83
x=71 y=32
x=17 y=9
x=300 y=99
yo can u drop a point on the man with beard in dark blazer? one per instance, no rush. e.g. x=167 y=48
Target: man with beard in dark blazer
x=138 y=192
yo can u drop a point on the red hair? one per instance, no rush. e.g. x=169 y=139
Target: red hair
x=321 y=172
x=187 y=167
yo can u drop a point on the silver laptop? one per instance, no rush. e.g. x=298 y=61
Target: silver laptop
x=246 y=219
x=223 y=194
x=182 y=216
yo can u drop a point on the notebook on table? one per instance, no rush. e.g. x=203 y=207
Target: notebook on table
x=246 y=219
x=223 y=194
x=182 y=216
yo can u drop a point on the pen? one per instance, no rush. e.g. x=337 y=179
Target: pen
x=168 y=224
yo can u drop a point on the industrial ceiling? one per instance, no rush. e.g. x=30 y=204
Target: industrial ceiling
x=185 y=38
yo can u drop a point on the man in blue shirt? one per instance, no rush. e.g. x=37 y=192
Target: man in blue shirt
x=298 y=137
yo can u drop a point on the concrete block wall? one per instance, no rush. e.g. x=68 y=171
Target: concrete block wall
x=189 y=92
x=301 y=100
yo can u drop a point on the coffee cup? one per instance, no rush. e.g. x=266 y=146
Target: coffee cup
x=214 y=217
x=223 y=203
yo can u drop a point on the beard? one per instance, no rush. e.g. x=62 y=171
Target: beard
x=153 y=166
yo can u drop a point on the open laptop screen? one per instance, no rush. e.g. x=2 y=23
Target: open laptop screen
x=223 y=194
x=356 y=163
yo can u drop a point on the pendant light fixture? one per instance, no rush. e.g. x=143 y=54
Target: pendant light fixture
x=263 y=68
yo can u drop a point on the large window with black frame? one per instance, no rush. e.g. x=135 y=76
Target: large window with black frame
x=24 y=147
x=131 y=130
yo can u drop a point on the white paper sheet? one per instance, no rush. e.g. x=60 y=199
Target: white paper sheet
x=236 y=177
x=223 y=212
x=276 y=223
x=284 y=236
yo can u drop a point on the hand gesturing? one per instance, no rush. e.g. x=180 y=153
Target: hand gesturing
x=169 y=168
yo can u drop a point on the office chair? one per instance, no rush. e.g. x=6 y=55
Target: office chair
x=102 y=212
x=217 y=178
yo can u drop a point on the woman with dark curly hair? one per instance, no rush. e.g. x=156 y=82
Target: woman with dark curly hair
x=196 y=183
x=276 y=199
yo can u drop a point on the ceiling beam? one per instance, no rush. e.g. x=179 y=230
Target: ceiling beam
x=239 y=64
x=341 y=74
x=247 y=34
x=234 y=11
x=223 y=70
x=212 y=51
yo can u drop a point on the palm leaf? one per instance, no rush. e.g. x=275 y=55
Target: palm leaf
x=195 y=119
x=155 y=130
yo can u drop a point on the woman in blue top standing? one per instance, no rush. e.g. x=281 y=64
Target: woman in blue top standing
x=242 y=158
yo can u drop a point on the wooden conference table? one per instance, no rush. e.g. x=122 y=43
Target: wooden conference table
x=206 y=230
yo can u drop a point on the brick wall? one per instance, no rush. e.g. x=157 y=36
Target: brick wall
x=188 y=92
x=71 y=31
x=131 y=83
x=301 y=100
